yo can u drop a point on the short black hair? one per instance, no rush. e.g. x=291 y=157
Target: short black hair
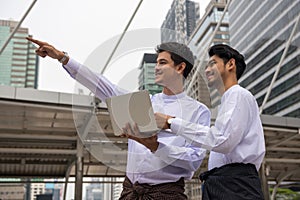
x=226 y=52
x=179 y=53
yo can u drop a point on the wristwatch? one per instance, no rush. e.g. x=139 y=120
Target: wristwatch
x=169 y=122
x=63 y=59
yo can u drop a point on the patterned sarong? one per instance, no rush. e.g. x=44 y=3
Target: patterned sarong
x=164 y=191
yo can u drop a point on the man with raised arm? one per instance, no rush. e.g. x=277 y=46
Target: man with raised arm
x=158 y=170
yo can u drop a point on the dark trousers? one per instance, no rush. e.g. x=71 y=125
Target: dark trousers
x=236 y=181
x=164 y=191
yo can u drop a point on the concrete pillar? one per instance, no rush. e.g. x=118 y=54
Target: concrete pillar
x=79 y=171
x=264 y=181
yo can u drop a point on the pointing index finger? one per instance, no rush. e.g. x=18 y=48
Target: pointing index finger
x=40 y=43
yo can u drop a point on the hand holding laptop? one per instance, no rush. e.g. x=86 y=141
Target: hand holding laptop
x=132 y=108
x=134 y=133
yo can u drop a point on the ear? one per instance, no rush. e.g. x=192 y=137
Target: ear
x=230 y=65
x=181 y=68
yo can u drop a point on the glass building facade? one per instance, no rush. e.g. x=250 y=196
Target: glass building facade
x=18 y=62
x=261 y=30
x=147 y=74
x=199 y=42
x=180 y=21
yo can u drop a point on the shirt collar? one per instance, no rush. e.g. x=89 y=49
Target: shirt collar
x=176 y=96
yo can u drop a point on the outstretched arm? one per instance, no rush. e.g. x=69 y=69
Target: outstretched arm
x=96 y=83
x=46 y=49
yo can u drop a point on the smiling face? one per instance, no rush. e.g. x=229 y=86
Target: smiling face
x=165 y=70
x=215 y=72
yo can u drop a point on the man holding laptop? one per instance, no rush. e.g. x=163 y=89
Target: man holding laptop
x=158 y=171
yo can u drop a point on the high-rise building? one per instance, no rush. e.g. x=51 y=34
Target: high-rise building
x=36 y=189
x=199 y=42
x=12 y=191
x=96 y=190
x=54 y=190
x=261 y=31
x=117 y=187
x=147 y=74
x=18 y=62
x=180 y=21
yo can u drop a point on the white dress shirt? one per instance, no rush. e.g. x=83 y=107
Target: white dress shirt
x=236 y=137
x=175 y=157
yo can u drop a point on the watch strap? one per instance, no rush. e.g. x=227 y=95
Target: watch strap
x=169 y=122
x=63 y=59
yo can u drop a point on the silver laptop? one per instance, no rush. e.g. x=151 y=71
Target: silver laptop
x=132 y=108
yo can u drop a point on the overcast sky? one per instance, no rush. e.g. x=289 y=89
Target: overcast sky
x=81 y=27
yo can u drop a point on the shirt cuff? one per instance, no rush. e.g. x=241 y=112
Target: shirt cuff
x=72 y=67
x=176 y=125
